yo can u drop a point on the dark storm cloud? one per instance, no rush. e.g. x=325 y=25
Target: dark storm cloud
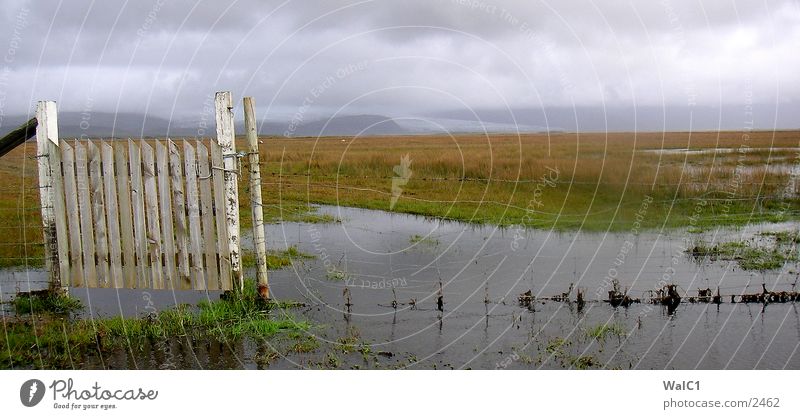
x=397 y=57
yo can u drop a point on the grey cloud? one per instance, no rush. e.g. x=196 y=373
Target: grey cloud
x=166 y=57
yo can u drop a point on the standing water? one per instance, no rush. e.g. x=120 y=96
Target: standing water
x=393 y=268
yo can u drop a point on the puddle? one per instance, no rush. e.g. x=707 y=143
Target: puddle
x=381 y=257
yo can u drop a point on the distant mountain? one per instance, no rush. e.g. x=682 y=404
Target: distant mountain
x=340 y=125
x=550 y=119
x=123 y=125
x=99 y=125
x=639 y=118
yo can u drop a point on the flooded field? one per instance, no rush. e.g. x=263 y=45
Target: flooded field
x=389 y=268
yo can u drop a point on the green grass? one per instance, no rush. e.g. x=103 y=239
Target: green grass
x=284 y=211
x=276 y=259
x=583 y=362
x=46 y=303
x=601 y=332
x=418 y=239
x=787 y=237
x=336 y=274
x=556 y=346
x=749 y=256
x=55 y=341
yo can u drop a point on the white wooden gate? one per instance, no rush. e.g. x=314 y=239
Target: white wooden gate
x=157 y=214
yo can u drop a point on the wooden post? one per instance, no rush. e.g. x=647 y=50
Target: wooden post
x=259 y=236
x=51 y=195
x=14 y=138
x=225 y=139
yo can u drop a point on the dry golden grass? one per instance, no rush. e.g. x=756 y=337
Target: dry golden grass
x=602 y=178
x=20 y=220
x=602 y=182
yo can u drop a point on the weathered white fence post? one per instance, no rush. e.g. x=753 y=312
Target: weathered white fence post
x=226 y=141
x=51 y=195
x=259 y=236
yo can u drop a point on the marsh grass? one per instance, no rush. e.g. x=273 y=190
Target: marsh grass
x=501 y=179
x=49 y=340
x=276 y=259
x=336 y=274
x=46 y=303
x=601 y=332
x=602 y=181
x=418 y=239
x=751 y=256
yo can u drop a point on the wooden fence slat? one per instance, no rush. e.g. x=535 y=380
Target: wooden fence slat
x=59 y=208
x=85 y=206
x=218 y=180
x=207 y=214
x=226 y=139
x=112 y=208
x=151 y=209
x=179 y=212
x=98 y=214
x=125 y=217
x=193 y=207
x=168 y=240
x=73 y=216
x=137 y=204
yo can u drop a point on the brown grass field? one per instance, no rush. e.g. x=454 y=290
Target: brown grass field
x=601 y=183
x=565 y=181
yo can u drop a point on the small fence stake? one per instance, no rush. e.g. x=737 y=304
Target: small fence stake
x=259 y=239
x=225 y=139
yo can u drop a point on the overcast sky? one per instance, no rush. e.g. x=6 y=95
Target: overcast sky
x=167 y=57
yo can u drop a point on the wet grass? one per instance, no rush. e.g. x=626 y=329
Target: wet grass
x=601 y=332
x=336 y=274
x=50 y=303
x=53 y=339
x=750 y=255
x=418 y=239
x=783 y=237
x=276 y=259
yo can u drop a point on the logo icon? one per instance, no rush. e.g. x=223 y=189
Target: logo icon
x=402 y=175
x=31 y=392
